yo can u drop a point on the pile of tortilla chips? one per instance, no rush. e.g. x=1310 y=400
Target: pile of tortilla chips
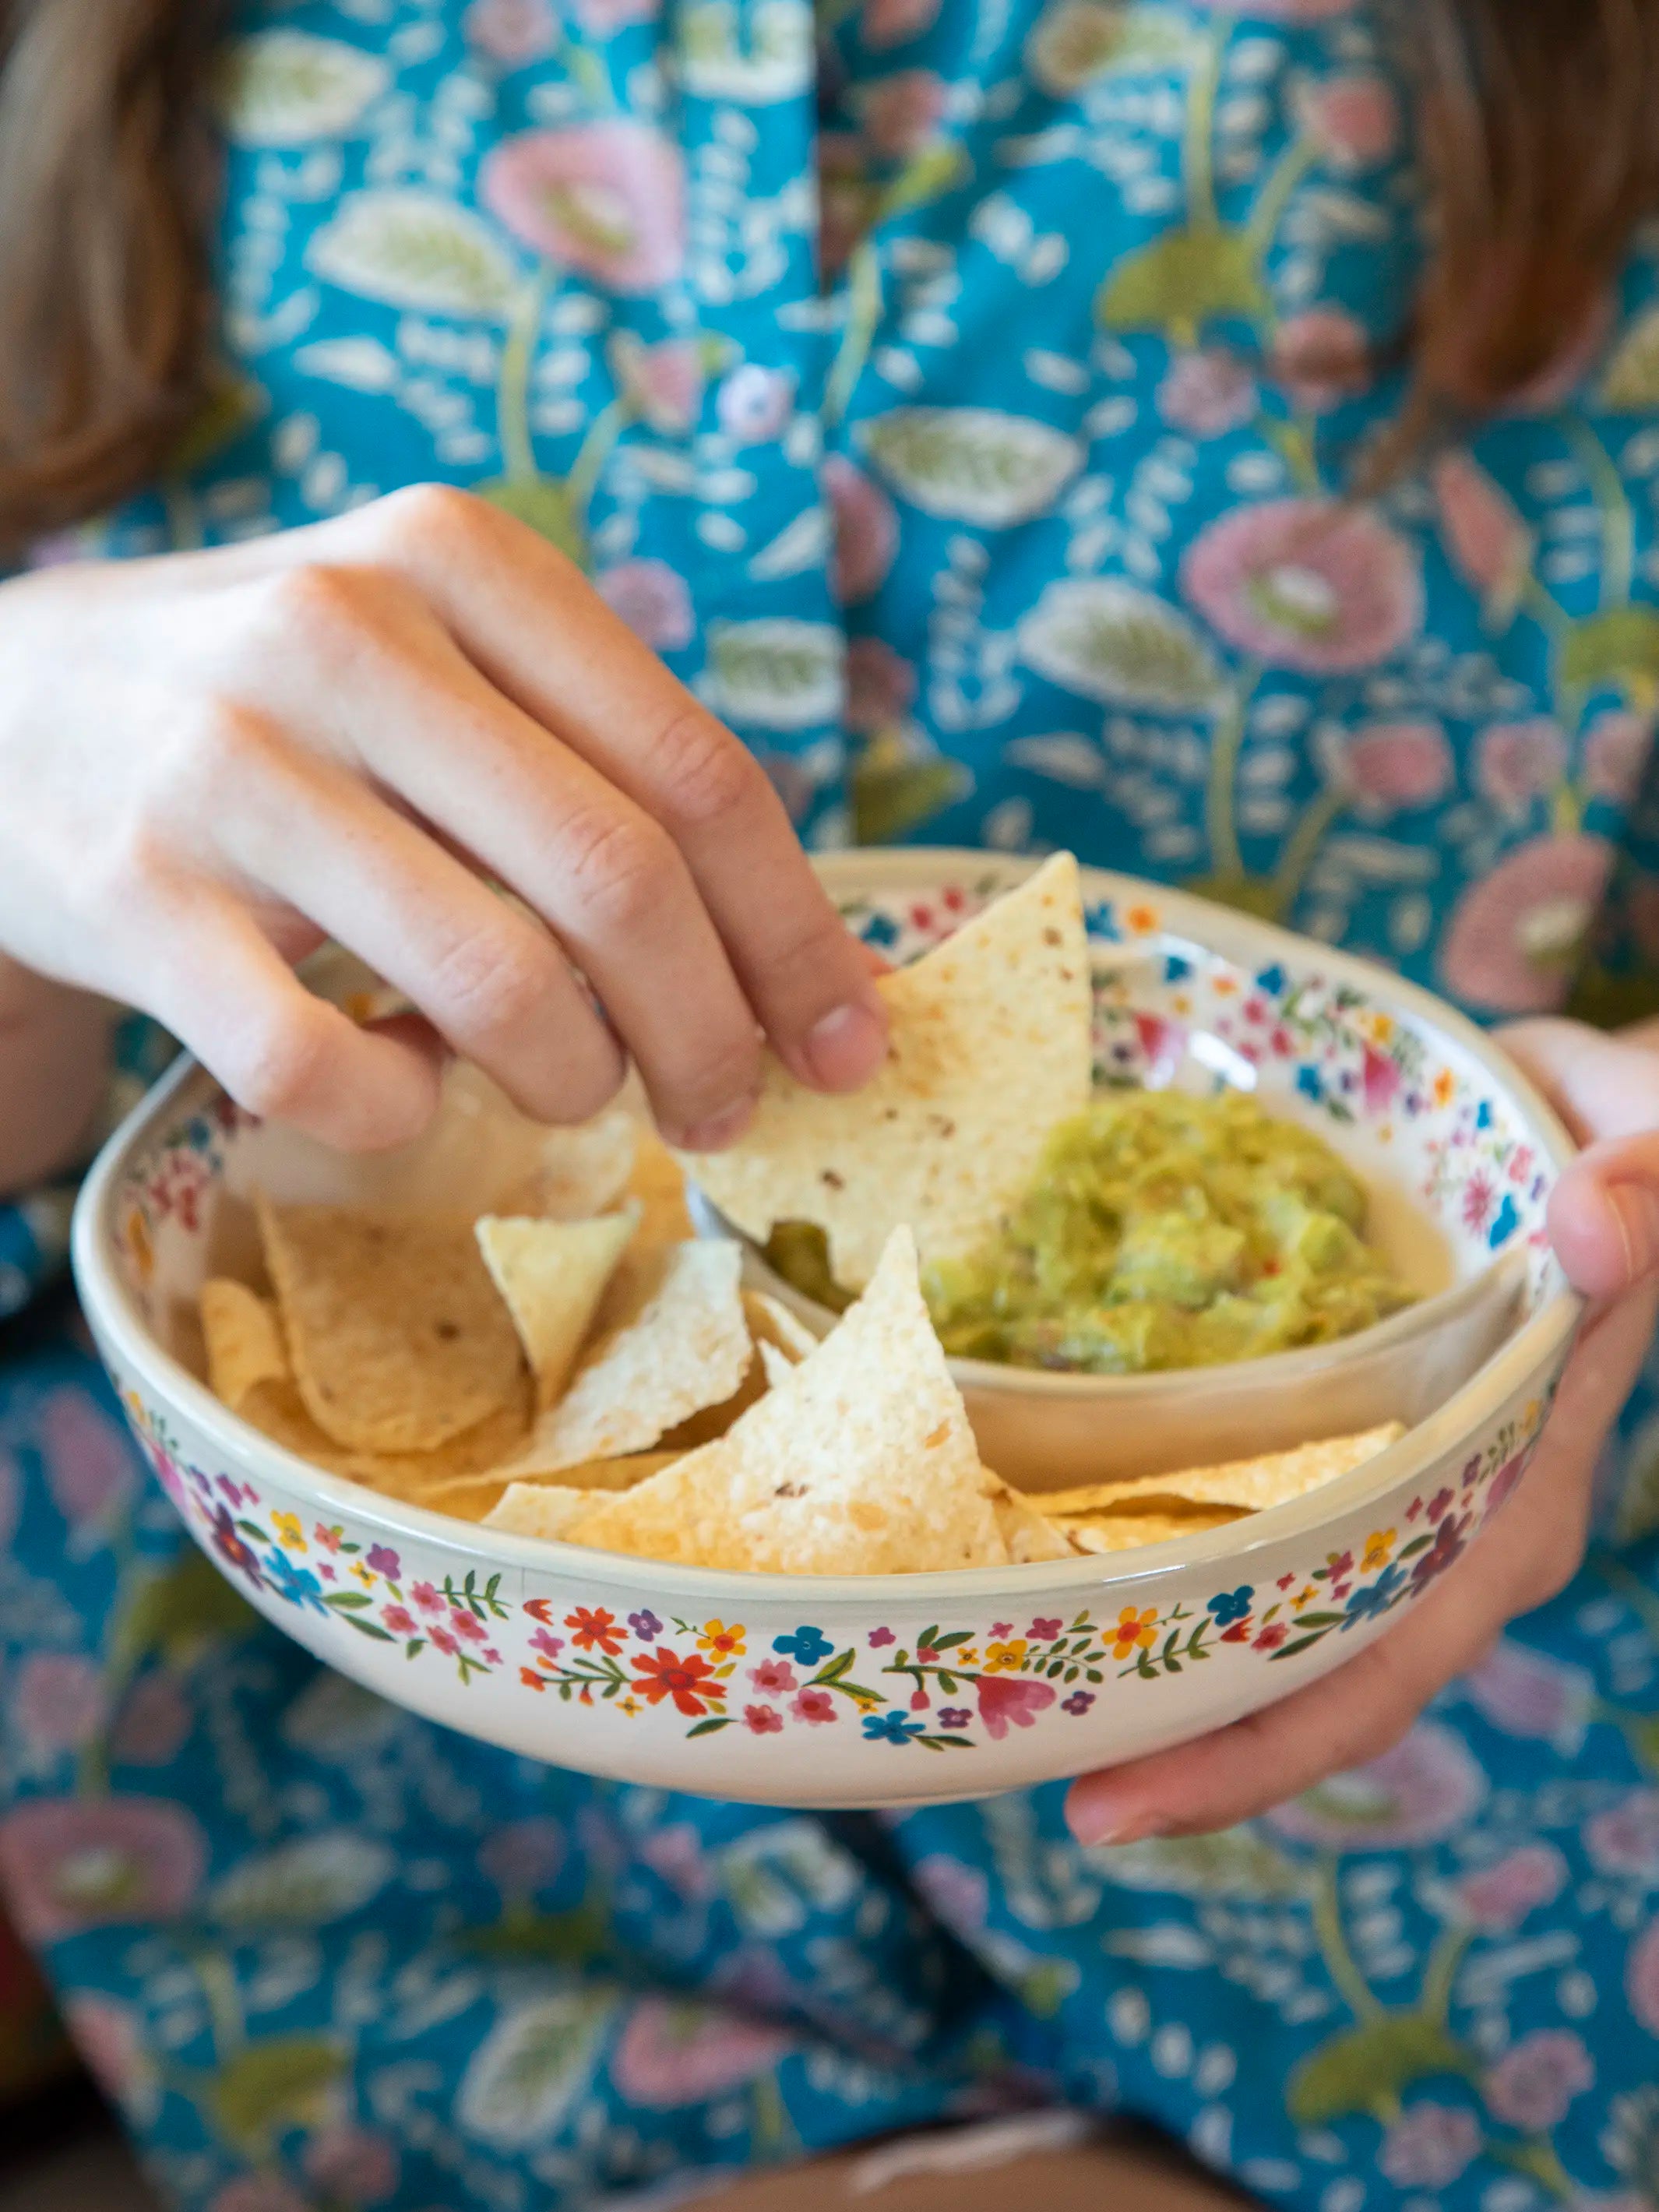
x=587 y=1370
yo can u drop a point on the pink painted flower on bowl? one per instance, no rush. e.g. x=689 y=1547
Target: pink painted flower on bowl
x=110 y=2039
x=754 y=402
x=763 y=1720
x=867 y=531
x=1499 y=1897
x=901 y=113
x=881 y=689
x=1514 y=936
x=774 y=1678
x=1307 y=584
x=351 y=2165
x=57 y=1701
x=1642 y=1978
x=68 y=1864
x=512 y=32
x=1400 y=764
x=606 y=198
x=522 y=1856
x=815 y=1706
x=670 y=2055
x=1527 y=1694
x=1353 y=119
x=665 y=381
x=90 y=1462
x=152 y=1725
x=1624 y=1839
x=1011 y=1701
x=1617 y=747
x=1207 y=394
x=1533 y=2085
x=1422 y=1789
x=1518 y=763
x=1487 y=540
x=1321 y=358
x=1428 y=2145
x=653 y=599
x=891 y=22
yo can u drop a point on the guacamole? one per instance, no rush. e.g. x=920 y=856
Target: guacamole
x=1163 y=1231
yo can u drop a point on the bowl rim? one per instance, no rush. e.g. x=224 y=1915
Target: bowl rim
x=114 y=1313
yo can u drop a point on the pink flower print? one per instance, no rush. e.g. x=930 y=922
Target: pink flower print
x=352 y=2164
x=878 y=1636
x=1624 y=1839
x=1354 y=119
x=1485 y=539
x=1642 y=1978
x=880 y=686
x=892 y=23
x=1398 y=765
x=1517 y=763
x=444 y=1642
x=1381 y=1080
x=465 y=1625
x=603 y=17
x=512 y=32
x=1533 y=2084
x=902 y=113
x=763 y=1720
x=152 y=1725
x=958 y=1893
x=1207 y=394
x=383 y=1561
x=524 y=1856
x=774 y=1677
x=68 y=1864
x=665 y=381
x=1007 y=1700
x=1480 y=1197
x=815 y=1706
x=427 y=1599
x=1514 y=938
x=329 y=1538
x=549 y=1646
x=1617 y=746
x=1423 y=1789
x=605 y=198
x=1500 y=1897
x=1043 y=1630
x=1321 y=358
x=754 y=403
x=89 y=1460
x=57 y=1701
x=671 y=2054
x=866 y=534
x=1428 y=2146
x=651 y=599
x=400 y=1620
x=1307 y=584
x=677 y=1854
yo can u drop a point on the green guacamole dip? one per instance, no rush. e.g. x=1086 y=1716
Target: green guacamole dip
x=1163 y=1231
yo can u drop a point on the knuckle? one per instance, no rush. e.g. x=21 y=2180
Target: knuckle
x=619 y=865
x=723 y=1072
x=436 y=514
x=496 y=981
x=705 y=779
x=312 y=602
x=279 y=1070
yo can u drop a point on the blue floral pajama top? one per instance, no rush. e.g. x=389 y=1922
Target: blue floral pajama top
x=960 y=394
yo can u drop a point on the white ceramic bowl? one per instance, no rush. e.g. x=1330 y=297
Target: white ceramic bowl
x=839 y=1691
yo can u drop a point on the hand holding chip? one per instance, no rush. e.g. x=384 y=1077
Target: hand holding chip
x=1604 y=1219
x=209 y=763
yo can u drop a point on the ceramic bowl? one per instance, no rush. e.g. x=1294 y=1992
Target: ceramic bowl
x=826 y=1690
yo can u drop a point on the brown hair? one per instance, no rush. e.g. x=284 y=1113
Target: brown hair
x=1540 y=119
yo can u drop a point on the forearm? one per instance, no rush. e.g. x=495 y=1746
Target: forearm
x=54 y=1060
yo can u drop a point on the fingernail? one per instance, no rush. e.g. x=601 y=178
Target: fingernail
x=846 y=1048
x=720 y=1129
x=1103 y=1820
x=1635 y=1208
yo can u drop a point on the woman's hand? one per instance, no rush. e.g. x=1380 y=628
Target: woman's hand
x=1604 y=1219
x=210 y=761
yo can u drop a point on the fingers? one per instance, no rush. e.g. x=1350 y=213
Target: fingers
x=493 y=986
x=212 y=979
x=525 y=617
x=1604 y=1216
x=1529 y=1551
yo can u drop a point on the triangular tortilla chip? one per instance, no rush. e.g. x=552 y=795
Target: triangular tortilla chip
x=658 y=1183
x=244 y=1341
x=860 y=1462
x=776 y=1366
x=585 y=1170
x=1253 y=1484
x=395 y=1332
x=990 y=1050
x=1128 y=1531
x=552 y=1275
x=685 y=1346
x=278 y=1410
x=1026 y=1530
x=771 y=1322
x=537 y=1508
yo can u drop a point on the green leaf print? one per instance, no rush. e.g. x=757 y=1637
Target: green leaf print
x=546 y=505
x=412 y=248
x=1612 y=648
x=892 y=797
x=531 y=2066
x=774 y=61
x=270 y=2085
x=1630 y=386
x=1235 y=1864
x=305 y=1884
x=289 y=88
x=779 y=672
x=1183 y=281
x=1075 y=41
x=1118 y=645
x=1366 y=2070
x=973 y=463
x=188 y=1604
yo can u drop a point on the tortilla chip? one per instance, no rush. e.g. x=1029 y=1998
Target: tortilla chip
x=658 y=1182
x=683 y=1348
x=1028 y=1533
x=397 y=1338
x=990 y=1047
x=552 y=1275
x=584 y=1172
x=771 y=1322
x=776 y=1366
x=1126 y=1532
x=244 y=1341
x=278 y=1410
x=537 y=1509
x=1251 y=1483
x=860 y=1461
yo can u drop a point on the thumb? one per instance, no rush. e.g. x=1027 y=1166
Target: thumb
x=1604 y=1216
